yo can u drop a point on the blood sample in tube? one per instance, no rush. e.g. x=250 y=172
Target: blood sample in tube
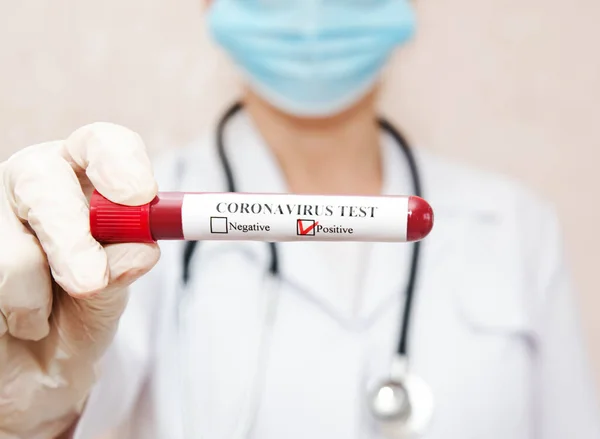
x=262 y=217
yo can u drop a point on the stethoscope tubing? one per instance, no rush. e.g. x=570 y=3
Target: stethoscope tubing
x=273 y=269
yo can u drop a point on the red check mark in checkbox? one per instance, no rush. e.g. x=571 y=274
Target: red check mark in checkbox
x=307 y=227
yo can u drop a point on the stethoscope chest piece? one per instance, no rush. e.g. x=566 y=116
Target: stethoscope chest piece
x=402 y=406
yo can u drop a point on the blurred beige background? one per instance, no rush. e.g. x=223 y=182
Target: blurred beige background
x=510 y=85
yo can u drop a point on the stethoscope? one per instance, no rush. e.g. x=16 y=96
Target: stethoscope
x=402 y=404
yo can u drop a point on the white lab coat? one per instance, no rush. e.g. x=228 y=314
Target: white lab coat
x=495 y=331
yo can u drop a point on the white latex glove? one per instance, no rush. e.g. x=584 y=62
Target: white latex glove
x=61 y=293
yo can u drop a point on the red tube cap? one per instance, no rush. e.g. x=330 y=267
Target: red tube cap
x=112 y=222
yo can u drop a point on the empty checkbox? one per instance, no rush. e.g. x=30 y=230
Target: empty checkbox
x=218 y=224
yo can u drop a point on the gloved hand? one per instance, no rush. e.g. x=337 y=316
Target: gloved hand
x=61 y=293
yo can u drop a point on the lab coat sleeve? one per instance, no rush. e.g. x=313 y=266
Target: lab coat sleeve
x=565 y=387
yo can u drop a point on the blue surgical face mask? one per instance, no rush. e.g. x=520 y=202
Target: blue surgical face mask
x=311 y=57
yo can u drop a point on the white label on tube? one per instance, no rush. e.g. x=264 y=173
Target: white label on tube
x=285 y=217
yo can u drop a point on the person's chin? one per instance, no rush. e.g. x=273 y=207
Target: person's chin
x=366 y=100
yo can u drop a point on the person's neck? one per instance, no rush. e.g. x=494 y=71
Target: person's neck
x=336 y=155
